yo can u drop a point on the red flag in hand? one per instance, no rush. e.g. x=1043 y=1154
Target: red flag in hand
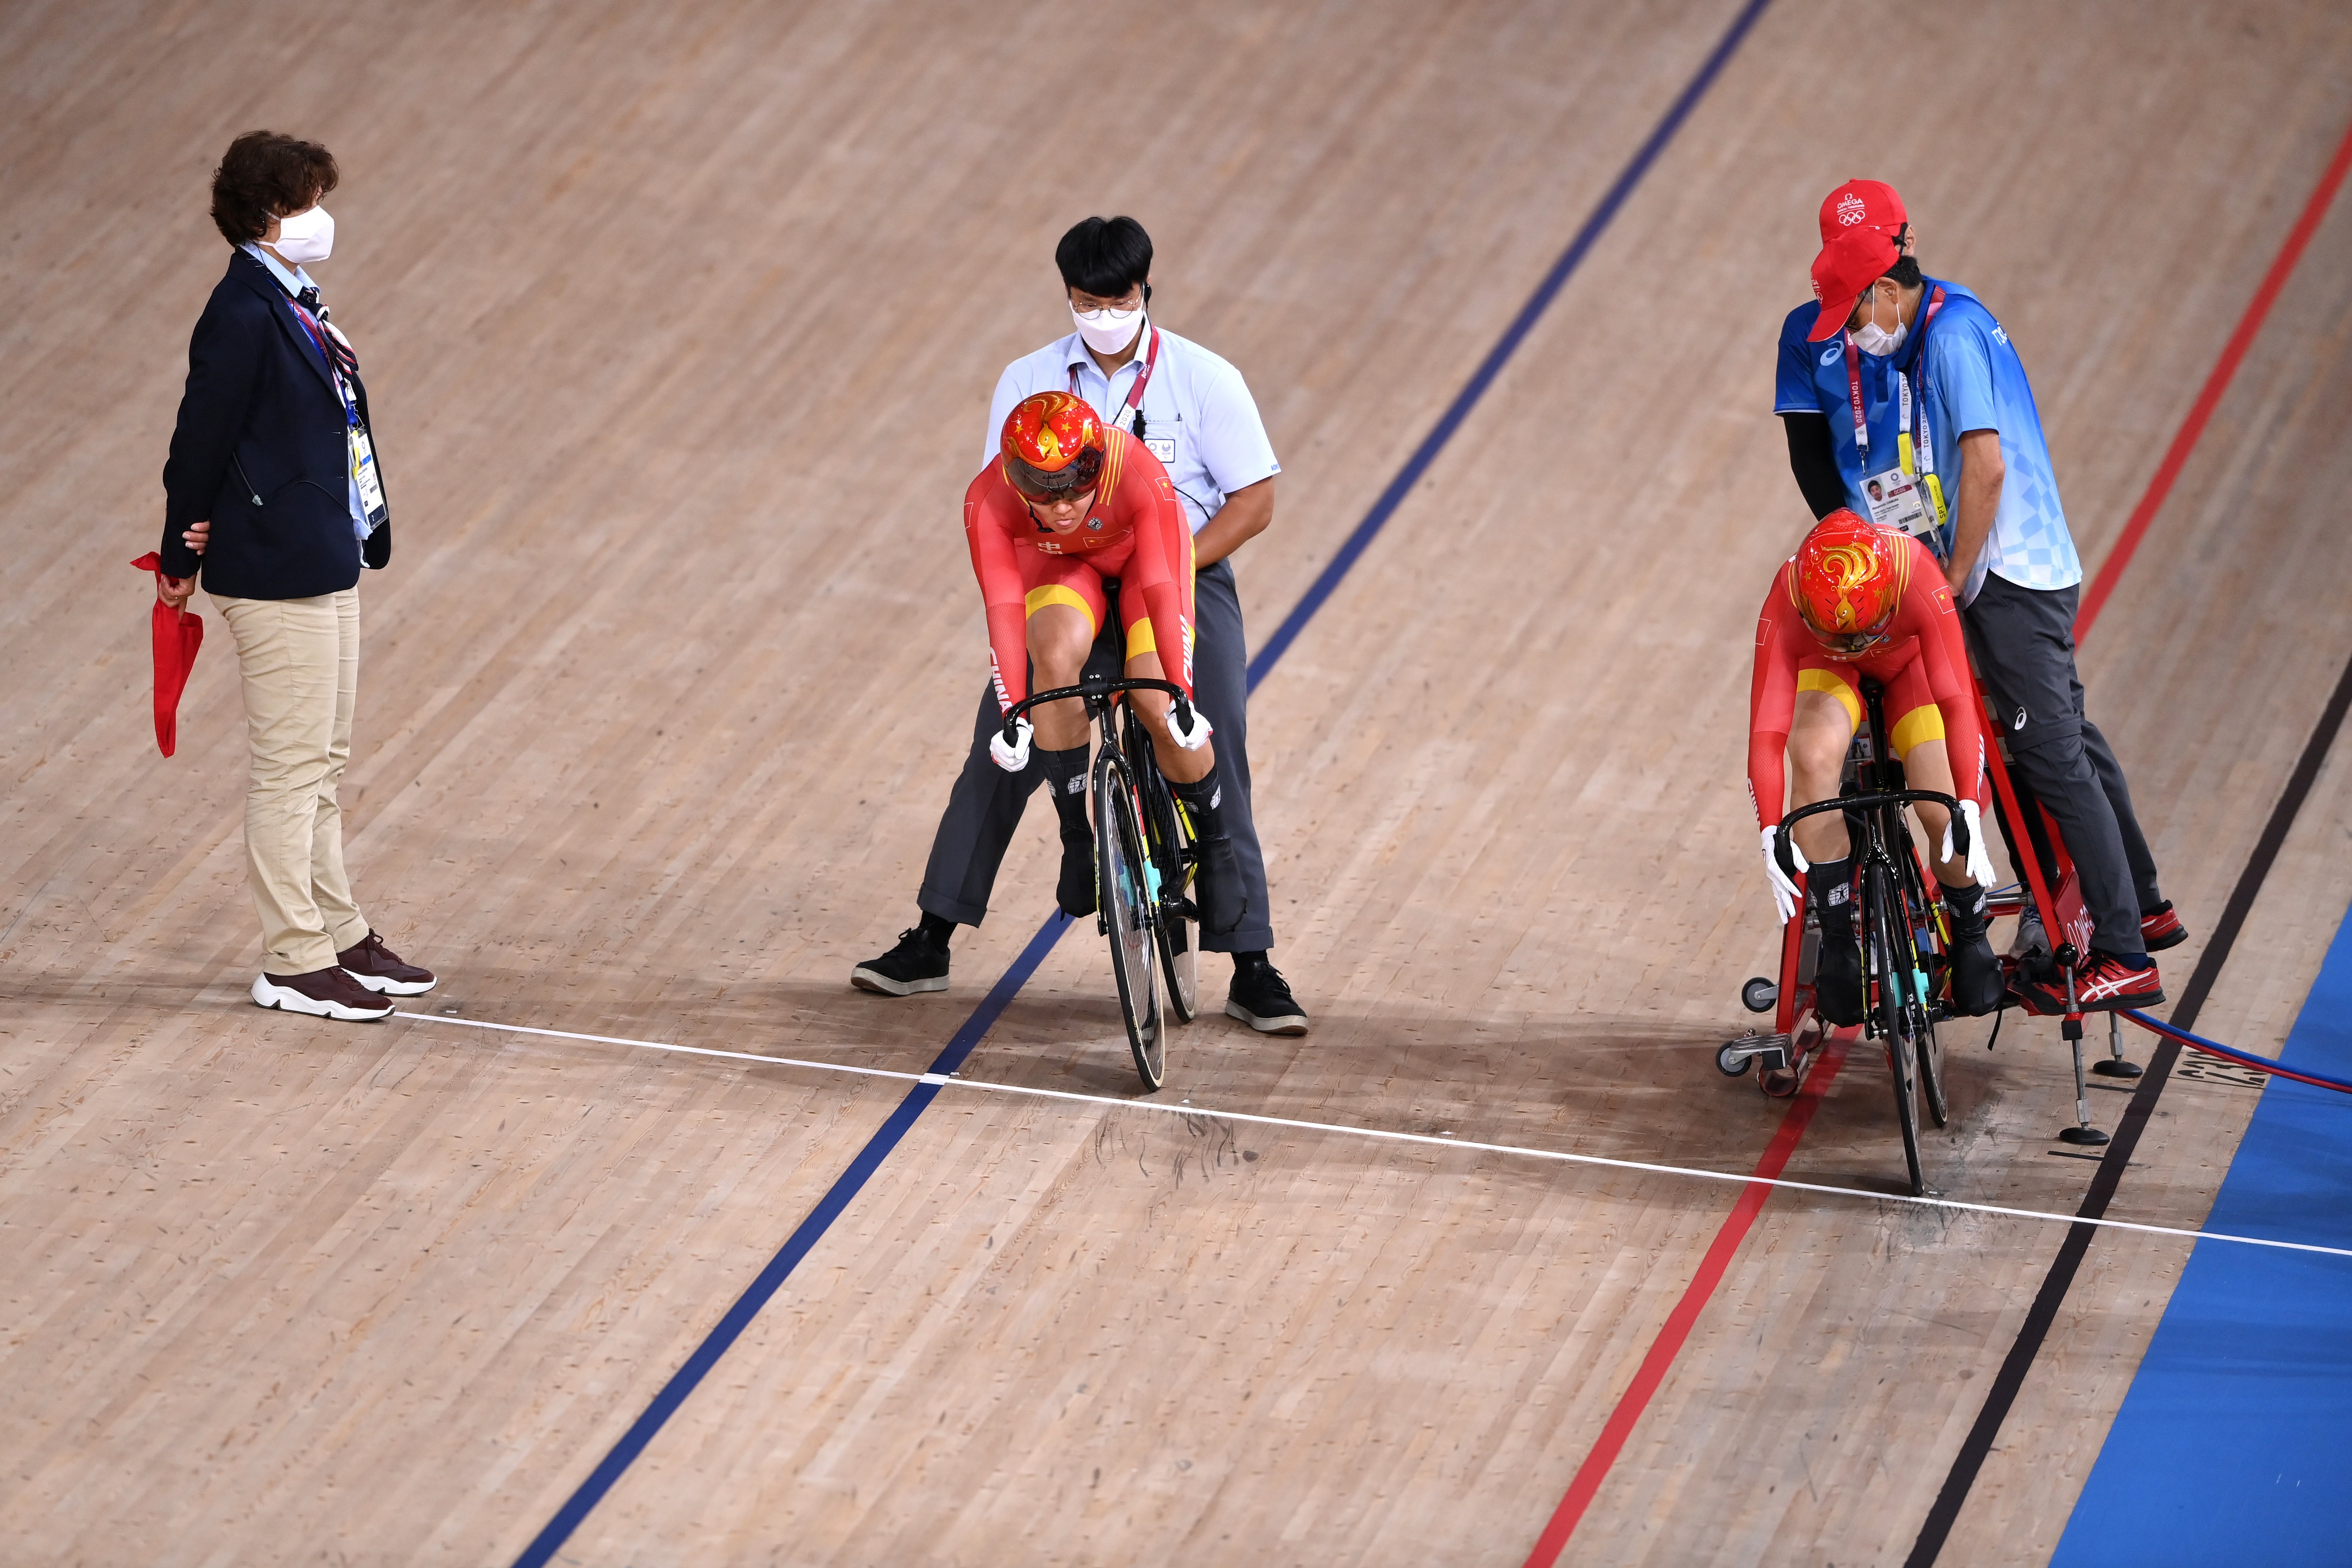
x=178 y=634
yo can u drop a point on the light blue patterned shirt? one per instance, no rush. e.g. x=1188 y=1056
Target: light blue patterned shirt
x=1974 y=381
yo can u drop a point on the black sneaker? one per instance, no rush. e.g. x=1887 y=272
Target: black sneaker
x=1261 y=998
x=1076 y=890
x=916 y=964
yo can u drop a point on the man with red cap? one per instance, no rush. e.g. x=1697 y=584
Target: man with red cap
x=1905 y=402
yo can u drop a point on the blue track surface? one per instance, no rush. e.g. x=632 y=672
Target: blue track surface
x=2235 y=1442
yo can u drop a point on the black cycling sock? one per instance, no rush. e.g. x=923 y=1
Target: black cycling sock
x=935 y=929
x=1829 y=886
x=1217 y=892
x=1066 y=778
x=1966 y=906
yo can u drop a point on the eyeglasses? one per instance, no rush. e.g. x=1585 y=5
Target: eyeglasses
x=1106 y=313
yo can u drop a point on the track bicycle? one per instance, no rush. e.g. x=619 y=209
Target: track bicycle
x=1145 y=860
x=1905 y=936
x=1905 y=951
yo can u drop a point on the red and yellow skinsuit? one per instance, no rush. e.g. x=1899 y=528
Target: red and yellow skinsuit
x=1922 y=662
x=1134 y=532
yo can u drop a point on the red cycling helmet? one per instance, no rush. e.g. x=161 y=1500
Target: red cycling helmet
x=1053 y=445
x=1847 y=580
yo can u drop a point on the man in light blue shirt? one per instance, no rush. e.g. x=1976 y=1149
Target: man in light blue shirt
x=1885 y=344
x=1194 y=412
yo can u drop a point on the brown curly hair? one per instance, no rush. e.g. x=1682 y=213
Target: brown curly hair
x=265 y=175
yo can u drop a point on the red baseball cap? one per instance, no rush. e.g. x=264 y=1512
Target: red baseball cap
x=1846 y=265
x=1861 y=204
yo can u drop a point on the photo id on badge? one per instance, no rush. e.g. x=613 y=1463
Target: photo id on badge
x=1895 y=501
x=363 y=474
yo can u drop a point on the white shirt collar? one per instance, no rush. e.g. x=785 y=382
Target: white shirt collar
x=293 y=282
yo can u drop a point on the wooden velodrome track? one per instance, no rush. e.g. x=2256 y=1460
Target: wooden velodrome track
x=663 y=688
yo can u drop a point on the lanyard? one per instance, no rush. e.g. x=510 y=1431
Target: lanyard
x=318 y=334
x=1854 y=380
x=1128 y=414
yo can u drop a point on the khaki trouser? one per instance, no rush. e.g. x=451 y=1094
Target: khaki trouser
x=300 y=659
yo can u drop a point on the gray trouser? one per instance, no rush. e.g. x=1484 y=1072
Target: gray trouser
x=985 y=805
x=2023 y=639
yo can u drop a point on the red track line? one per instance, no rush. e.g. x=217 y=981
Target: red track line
x=1679 y=1322
x=2224 y=369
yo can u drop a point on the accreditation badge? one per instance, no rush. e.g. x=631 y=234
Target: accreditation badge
x=1896 y=502
x=364 y=474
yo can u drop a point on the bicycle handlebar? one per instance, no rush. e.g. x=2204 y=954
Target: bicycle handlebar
x=1869 y=803
x=1094 y=690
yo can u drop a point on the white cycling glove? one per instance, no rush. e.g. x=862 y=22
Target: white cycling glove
x=1979 y=861
x=1014 y=757
x=1785 y=896
x=1189 y=740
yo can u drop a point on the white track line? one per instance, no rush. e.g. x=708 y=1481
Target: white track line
x=1385 y=1135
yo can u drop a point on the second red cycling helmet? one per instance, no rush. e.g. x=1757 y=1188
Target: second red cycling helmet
x=1846 y=581
x=1052 y=444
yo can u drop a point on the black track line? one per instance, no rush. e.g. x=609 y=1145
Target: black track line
x=2003 y=1393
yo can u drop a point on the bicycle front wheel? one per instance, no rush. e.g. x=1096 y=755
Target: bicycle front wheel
x=1926 y=917
x=1888 y=952
x=1125 y=903
x=1166 y=840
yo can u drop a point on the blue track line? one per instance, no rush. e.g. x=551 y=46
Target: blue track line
x=1483 y=378
x=887 y=1138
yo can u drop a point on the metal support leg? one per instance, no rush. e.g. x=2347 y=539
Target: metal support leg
x=2081 y=1132
x=2115 y=1065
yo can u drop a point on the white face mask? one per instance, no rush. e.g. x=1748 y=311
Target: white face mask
x=305 y=238
x=1871 y=340
x=1108 y=331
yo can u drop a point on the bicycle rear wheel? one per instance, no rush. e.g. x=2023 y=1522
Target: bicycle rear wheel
x=1889 y=960
x=1127 y=914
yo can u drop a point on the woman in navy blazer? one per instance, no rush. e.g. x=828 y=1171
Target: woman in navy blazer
x=263 y=496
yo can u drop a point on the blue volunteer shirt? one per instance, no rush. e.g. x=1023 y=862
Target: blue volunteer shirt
x=1199 y=419
x=1974 y=381
x=1969 y=377
x=1812 y=380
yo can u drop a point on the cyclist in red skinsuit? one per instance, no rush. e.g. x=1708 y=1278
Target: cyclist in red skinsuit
x=1065 y=504
x=1134 y=532
x=1855 y=603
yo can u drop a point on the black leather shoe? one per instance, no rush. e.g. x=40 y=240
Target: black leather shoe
x=916 y=964
x=1261 y=998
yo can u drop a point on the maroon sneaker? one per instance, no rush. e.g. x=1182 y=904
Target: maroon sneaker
x=379 y=968
x=2160 y=927
x=323 y=994
x=2102 y=986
